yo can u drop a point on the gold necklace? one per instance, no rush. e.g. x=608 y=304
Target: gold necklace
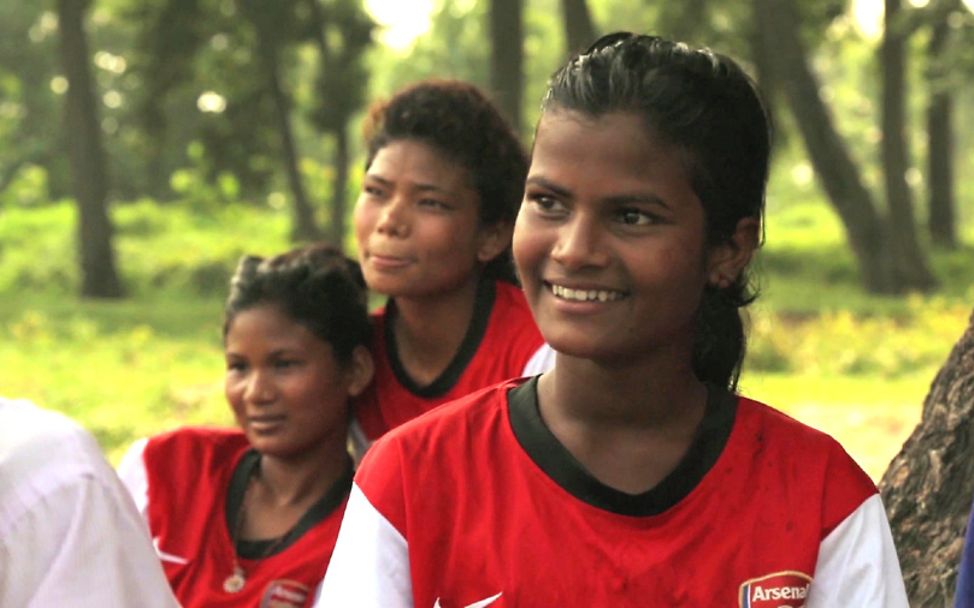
x=238 y=578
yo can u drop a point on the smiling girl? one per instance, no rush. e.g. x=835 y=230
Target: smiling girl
x=630 y=474
x=444 y=177
x=249 y=517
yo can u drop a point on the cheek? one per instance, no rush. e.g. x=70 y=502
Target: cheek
x=528 y=247
x=363 y=219
x=234 y=391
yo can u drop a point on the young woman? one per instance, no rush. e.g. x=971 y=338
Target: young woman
x=249 y=517
x=630 y=474
x=444 y=178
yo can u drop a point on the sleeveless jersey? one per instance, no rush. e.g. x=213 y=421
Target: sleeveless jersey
x=189 y=472
x=502 y=342
x=478 y=504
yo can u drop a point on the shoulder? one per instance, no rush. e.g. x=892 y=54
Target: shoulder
x=809 y=460
x=509 y=300
x=436 y=436
x=34 y=439
x=194 y=448
x=511 y=321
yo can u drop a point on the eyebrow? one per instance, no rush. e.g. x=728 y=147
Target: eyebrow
x=420 y=187
x=616 y=199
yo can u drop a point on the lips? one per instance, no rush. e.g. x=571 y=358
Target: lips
x=584 y=294
x=265 y=422
x=389 y=262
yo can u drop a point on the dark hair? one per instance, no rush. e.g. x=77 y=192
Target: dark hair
x=457 y=119
x=703 y=103
x=316 y=286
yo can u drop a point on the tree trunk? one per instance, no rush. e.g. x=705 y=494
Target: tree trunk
x=507 y=58
x=340 y=187
x=87 y=157
x=304 y=227
x=579 y=29
x=940 y=144
x=777 y=23
x=909 y=260
x=929 y=485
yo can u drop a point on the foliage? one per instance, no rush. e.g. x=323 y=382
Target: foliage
x=853 y=364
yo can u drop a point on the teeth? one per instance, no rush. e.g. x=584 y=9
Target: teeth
x=581 y=295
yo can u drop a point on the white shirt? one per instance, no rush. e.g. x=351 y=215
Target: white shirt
x=69 y=533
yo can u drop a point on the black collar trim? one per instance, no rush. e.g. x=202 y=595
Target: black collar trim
x=483 y=304
x=557 y=462
x=257 y=549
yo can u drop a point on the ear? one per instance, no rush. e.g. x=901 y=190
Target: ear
x=493 y=239
x=360 y=370
x=727 y=260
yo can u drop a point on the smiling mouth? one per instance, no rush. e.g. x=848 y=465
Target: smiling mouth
x=585 y=295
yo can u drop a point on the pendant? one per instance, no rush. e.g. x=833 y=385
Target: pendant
x=235 y=582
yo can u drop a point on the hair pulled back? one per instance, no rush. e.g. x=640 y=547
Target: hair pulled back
x=316 y=286
x=458 y=120
x=706 y=106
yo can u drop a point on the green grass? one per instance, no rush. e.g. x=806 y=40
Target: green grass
x=852 y=364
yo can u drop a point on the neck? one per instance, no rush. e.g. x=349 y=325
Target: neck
x=301 y=480
x=430 y=330
x=616 y=394
x=628 y=425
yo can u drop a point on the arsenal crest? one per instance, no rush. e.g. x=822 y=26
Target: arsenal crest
x=786 y=589
x=284 y=593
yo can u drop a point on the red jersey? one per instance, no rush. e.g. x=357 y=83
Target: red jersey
x=196 y=481
x=502 y=342
x=478 y=504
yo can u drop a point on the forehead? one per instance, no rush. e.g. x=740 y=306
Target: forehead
x=266 y=323
x=420 y=162
x=620 y=142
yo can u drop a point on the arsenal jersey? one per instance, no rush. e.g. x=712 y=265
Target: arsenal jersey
x=478 y=505
x=501 y=342
x=196 y=479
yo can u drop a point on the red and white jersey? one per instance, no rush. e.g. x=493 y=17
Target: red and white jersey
x=478 y=505
x=502 y=342
x=196 y=480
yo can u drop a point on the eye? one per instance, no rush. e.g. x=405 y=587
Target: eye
x=287 y=363
x=434 y=204
x=236 y=366
x=632 y=216
x=371 y=190
x=546 y=205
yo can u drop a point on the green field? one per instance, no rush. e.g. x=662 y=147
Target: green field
x=857 y=366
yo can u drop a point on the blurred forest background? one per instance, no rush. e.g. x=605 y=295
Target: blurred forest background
x=145 y=145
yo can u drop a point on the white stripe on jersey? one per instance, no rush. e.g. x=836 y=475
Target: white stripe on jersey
x=370 y=565
x=541 y=361
x=857 y=564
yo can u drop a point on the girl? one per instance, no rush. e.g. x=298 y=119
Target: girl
x=444 y=177
x=250 y=517
x=630 y=474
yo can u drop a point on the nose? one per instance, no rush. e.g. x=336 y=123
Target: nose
x=260 y=387
x=580 y=243
x=393 y=218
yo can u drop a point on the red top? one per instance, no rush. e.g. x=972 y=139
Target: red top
x=499 y=344
x=190 y=473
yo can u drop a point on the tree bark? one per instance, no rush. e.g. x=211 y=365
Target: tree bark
x=507 y=58
x=929 y=485
x=910 y=260
x=304 y=227
x=940 y=168
x=340 y=186
x=87 y=158
x=579 y=28
x=777 y=23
